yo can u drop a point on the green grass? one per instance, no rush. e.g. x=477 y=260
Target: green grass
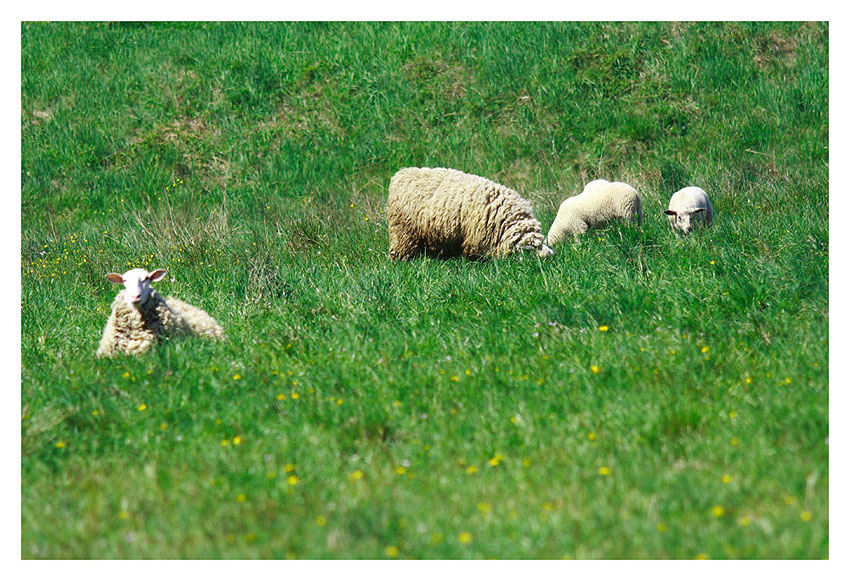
x=444 y=409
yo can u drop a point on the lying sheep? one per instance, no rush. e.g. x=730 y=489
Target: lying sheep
x=598 y=204
x=448 y=213
x=688 y=207
x=140 y=316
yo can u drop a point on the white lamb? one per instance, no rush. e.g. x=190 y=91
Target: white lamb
x=688 y=207
x=447 y=212
x=597 y=205
x=140 y=316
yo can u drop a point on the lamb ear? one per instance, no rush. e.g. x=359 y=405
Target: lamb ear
x=158 y=274
x=115 y=278
x=698 y=210
x=670 y=212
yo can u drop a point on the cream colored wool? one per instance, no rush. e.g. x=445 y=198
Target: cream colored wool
x=689 y=207
x=135 y=329
x=447 y=212
x=596 y=206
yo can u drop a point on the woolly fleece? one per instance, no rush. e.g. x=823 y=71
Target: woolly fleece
x=447 y=212
x=135 y=329
x=690 y=206
x=597 y=205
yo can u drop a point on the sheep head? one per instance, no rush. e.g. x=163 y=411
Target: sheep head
x=534 y=241
x=683 y=220
x=137 y=284
x=545 y=251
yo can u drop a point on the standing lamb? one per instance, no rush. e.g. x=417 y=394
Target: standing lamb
x=140 y=316
x=688 y=207
x=449 y=213
x=598 y=204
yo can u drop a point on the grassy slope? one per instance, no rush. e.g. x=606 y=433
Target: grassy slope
x=252 y=162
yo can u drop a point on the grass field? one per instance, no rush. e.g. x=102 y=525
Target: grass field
x=638 y=395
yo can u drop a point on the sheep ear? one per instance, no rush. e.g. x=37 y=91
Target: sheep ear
x=115 y=278
x=158 y=275
x=698 y=210
x=670 y=212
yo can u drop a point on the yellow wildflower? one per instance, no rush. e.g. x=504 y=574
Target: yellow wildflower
x=594 y=369
x=60 y=444
x=471 y=470
x=465 y=537
x=604 y=471
x=726 y=479
x=241 y=497
x=603 y=328
x=806 y=516
x=292 y=480
x=391 y=551
x=356 y=475
x=237 y=440
x=321 y=521
x=289 y=468
x=236 y=377
x=591 y=436
x=400 y=470
x=483 y=507
x=718 y=511
x=143 y=407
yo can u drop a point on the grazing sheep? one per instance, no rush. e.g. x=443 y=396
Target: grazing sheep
x=688 y=207
x=598 y=204
x=140 y=316
x=448 y=213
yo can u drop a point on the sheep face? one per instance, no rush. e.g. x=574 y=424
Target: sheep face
x=534 y=241
x=545 y=251
x=685 y=220
x=137 y=284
